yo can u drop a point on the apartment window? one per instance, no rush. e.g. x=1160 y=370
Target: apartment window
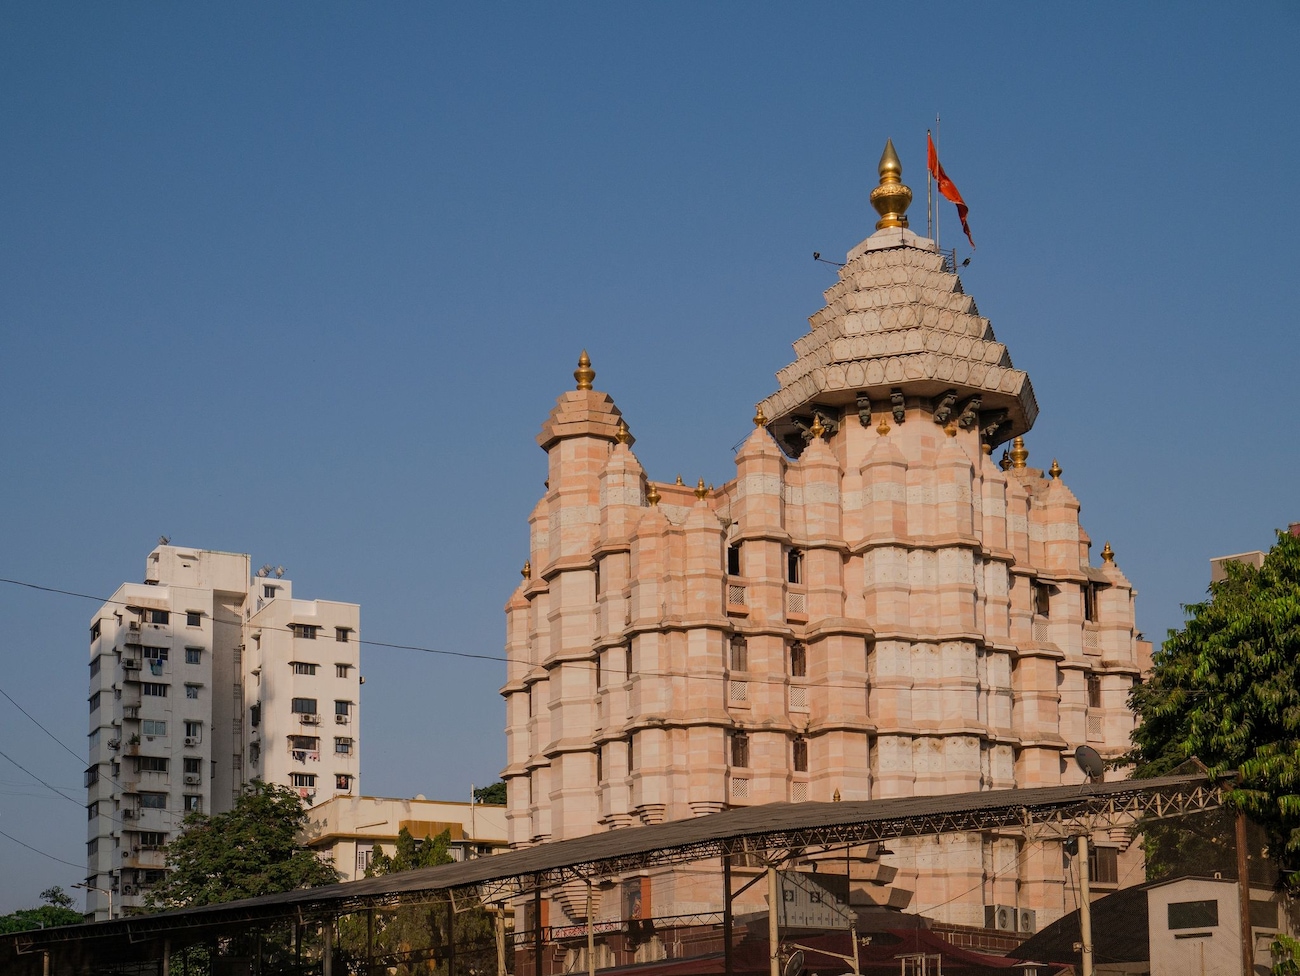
x=151 y=764
x=343 y=708
x=1094 y=690
x=733 y=560
x=94 y=631
x=303 y=780
x=155 y=653
x=798 y=660
x=93 y=738
x=92 y=847
x=192 y=691
x=342 y=746
x=193 y=618
x=158 y=616
x=92 y=810
x=150 y=877
x=193 y=730
x=154 y=689
x=342 y=634
x=94 y=666
x=193 y=655
x=302 y=667
x=600 y=678
x=153 y=726
x=1042 y=599
x=1103 y=864
x=269 y=591
x=91 y=776
x=365 y=853
x=739 y=660
x=341 y=670
x=153 y=801
x=192 y=765
x=94 y=701
x=740 y=750
x=342 y=781
x=627 y=668
x=255 y=715
x=305 y=631
x=192 y=803
x=304 y=706
x=151 y=840
x=794 y=566
x=799 y=753
x=304 y=743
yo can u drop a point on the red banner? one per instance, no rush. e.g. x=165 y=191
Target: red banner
x=947 y=187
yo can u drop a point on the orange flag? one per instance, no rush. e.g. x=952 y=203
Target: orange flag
x=947 y=187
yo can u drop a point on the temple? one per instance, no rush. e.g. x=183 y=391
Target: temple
x=875 y=606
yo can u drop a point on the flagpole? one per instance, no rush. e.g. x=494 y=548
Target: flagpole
x=936 y=209
x=929 y=194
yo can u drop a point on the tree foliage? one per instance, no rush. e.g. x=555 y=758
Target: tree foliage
x=57 y=910
x=494 y=794
x=250 y=850
x=1226 y=690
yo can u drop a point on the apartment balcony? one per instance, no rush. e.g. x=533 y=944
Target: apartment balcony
x=144 y=857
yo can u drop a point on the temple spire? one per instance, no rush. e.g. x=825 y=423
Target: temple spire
x=584 y=374
x=891 y=198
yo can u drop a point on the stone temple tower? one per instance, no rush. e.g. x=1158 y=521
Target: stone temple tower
x=875 y=606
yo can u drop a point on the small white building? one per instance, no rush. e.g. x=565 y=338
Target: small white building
x=348 y=830
x=200 y=679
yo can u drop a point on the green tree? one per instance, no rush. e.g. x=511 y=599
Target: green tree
x=250 y=850
x=57 y=910
x=1225 y=690
x=494 y=794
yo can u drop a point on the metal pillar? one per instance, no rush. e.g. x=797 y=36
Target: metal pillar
x=591 y=935
x=1085 y=907
x=327 y=962
x=1243 y=891
x=727 y=919
x=537 y=928
x=499 y=925
x=773 y=925
x=451 y=937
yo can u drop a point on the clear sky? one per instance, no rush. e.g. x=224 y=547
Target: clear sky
x=303 y=281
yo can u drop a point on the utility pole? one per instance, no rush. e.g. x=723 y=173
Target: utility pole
x=1243 y=892
x=1085 y=908
x=773 y=926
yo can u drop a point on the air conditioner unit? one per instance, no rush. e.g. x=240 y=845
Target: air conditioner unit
x=1027 y=921
x=307 y=719
x=341 y=719
x=1000 y=917
x=193 y=779
x=128 y=890
x=191 y=740
x=128 y=814
x=133 y=625
x=115 y=743
x=131 y=664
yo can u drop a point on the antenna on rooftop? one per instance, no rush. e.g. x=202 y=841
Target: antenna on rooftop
x=279 y=572
x=817 y=256
x=1090 y=761
x=164 y=540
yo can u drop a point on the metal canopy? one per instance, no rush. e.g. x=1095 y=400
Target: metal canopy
x=773 y=831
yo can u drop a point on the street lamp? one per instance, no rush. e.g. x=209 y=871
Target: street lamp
x=106 y=891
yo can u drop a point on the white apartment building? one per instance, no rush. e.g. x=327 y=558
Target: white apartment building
x=203 y=678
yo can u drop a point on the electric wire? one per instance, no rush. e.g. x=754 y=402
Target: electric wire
x=79 y=867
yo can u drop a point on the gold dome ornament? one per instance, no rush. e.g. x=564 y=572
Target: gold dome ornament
x=891 y=198
x=680 y=482
x=1108 y=554
x=883 y=428
x=1005 y=462
x=836 y=797
x=700 y=491
x=1055 y=469
x=1019 y=453
x=652 y=494
x=950 y=429
x=622 y=435
x=584 y=374
x=759 y=419
x=817 y=429
x=527 y=571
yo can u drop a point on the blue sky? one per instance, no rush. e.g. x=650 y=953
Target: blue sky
x=303 y=280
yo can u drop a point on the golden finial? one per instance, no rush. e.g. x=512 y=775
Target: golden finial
x=1108 y=554
x=680 y=481
x=950 y=429
x=1019 y=453
x=700 y=491
x=1055 y=469
x=1005 y=462
x=584 y=374
x=652 y=494
x=987 y=448
x=622 y=435
x=759 y=419
x=883 y=429
x=836 y=797
x=817 y=430
x=527 y=571
x=891 y=198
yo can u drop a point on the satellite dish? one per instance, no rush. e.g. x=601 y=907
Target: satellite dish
x=1090 y=761
x=794 y=965
x=164 y=540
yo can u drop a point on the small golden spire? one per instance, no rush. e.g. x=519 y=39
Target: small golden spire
x=527 y=571
x=584 y=374
x=1108 y=554
x=759 y=419
x=1019 y=453
x=836 y=797
x=987 y=448
x=891 y=198
x=680 y=481
x=1005 y=462
x=652 y=494
x=1055 y=469
x=817 y=430
x=622 y=435
x=883 y=428
x=950 y=429
x=700 y=491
